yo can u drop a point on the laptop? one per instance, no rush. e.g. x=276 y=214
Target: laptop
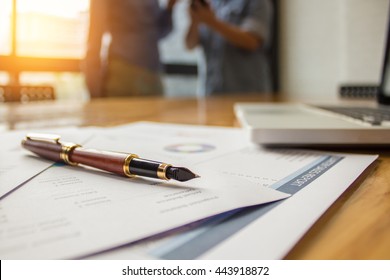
x=287 y=124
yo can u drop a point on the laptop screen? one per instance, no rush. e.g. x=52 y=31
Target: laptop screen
x=384 y=88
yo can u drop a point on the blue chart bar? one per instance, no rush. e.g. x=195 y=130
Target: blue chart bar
x=302 y=180
x=214 y=233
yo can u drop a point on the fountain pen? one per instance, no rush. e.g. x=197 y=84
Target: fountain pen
x=130 y=165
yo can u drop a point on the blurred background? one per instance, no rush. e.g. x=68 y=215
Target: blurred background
x=320 y=46
x=42 y=42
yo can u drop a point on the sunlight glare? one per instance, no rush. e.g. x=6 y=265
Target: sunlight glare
x=68 y=8
x=52 y=28
x=5 y=26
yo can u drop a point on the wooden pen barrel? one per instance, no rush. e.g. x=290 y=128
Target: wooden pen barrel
x=117 y=162
x=124 y=164
x=108 y=161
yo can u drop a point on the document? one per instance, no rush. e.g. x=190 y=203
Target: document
x=18 y=165
x=16 y=168
x=267 y=232
x=314 y=179
x=71 y=212
x=75 y=212
x=288 y=221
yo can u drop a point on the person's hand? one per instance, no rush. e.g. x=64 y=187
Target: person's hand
x=200 y=12
x=193 y=15
x=171 y=4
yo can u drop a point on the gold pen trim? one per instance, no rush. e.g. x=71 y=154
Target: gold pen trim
x=50 y=138
x=66 y=148
x=126 y=165
x=162 y=171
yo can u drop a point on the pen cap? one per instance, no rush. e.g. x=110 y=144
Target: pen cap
x=45 y=149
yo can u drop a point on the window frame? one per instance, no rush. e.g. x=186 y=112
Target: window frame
x=14 y=64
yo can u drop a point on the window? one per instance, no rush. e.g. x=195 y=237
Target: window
x=39 y=36
x=4 y=78
x=5 y=27
x=173 y=52
x=172 y=47
x=43 y=41
x=51 y=28
x=67 y=85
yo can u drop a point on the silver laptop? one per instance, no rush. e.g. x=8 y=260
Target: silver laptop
x=287 y=124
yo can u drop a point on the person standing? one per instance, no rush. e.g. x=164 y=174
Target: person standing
x=234 y=36
x=132 y=66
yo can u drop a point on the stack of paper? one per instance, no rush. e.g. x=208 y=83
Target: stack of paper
x=76 y=212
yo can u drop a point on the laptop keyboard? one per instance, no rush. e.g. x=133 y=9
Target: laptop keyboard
x=373 y=116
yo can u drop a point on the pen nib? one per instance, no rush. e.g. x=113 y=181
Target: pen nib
x=181 y=174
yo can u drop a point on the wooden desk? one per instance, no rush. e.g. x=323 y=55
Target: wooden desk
x=356 y=226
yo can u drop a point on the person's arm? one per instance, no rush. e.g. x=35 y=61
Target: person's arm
x=192 y=36
x=171 y=4
x=165 y=24
x=234 y=34
x=92 y=64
